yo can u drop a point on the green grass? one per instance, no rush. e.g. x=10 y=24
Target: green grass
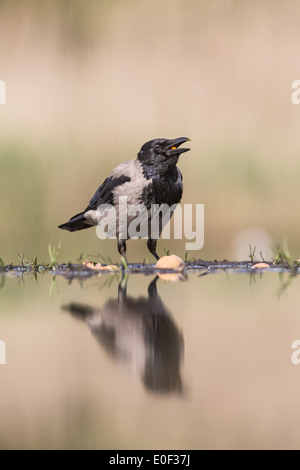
x=53 y=253
x=283 y=256
x=252 y=256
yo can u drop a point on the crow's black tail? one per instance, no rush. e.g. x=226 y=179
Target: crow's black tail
x=75 y=223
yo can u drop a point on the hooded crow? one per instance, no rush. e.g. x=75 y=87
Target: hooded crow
x=151 y=179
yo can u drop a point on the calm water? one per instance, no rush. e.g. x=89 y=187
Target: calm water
x=204 y=363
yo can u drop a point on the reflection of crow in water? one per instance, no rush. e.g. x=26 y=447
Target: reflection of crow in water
x=139 y=332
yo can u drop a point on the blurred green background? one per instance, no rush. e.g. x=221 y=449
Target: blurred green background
x=88 y=82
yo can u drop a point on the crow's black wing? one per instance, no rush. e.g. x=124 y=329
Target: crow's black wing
x=104 y=194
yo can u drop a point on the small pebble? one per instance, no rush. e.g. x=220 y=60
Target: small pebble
x=260 y=266
x=99 y=267
x=170 y=262
x=109 y=267
x=88 y=264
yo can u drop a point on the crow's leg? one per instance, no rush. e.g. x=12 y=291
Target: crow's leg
x=151 y=244
x=122 y=250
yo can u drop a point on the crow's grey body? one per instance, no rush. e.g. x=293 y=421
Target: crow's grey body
x=151 y=178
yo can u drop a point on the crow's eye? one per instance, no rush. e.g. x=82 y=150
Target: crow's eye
x=157 y=147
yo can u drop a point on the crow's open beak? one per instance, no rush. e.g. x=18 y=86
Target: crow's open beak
x=173 y=146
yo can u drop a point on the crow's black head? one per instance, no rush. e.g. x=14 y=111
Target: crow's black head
x=161 y=154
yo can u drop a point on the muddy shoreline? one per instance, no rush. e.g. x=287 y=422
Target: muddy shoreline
x=73 y=270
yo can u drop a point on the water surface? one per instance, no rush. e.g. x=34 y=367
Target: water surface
x=148 y=364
